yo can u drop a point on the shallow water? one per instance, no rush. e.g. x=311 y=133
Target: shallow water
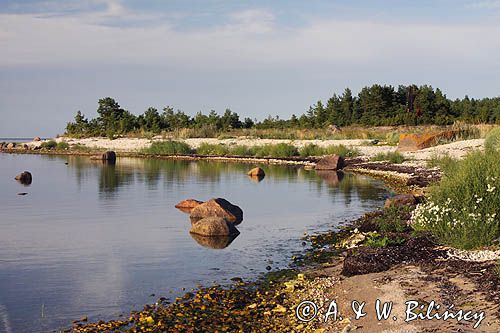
x=97 y=240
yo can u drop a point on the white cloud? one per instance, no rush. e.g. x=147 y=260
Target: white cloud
x=250 y=38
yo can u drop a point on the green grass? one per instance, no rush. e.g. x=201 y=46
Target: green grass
x=443 y=162
x=276 y=150
x=62 y=145
x=168 y=148
x=51 y=144
x=393 y=157
x=315 y=150
x=462 y=209
x=393 y=219
x=377 y=240
x=492 y=140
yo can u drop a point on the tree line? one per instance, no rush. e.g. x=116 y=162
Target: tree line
x=375 y=105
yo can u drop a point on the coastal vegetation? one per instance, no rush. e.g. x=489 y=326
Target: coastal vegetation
x=279 y=150
x=462 y=210
x=392 y=157
x=375 y=105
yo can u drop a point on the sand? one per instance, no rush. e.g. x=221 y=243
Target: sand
x=456 y=149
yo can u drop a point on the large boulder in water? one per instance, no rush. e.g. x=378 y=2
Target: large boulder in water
x=256 y=172
x=331 y=162
x=109 y=156
x=218 y=207
x=213 y=226
x=24 y=178
x=187 y=205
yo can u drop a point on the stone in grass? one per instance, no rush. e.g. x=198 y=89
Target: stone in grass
x=213 y=226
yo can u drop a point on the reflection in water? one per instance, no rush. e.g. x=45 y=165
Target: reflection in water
x=95 y=239
x=214 y=242
x=256 y=178
x=332 y=178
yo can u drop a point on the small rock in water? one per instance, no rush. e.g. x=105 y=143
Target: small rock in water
x=24 y=178
x=269 y=268
x=22 y=193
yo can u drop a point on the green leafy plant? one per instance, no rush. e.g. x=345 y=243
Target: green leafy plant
x=62 y=145
x=51 y=144
x=492 y=140
x=462 y=209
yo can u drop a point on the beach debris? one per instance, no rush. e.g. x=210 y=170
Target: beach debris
x=331 y=162
x=213 y=226
x=401 y=200
x=187 y=205
x=256 y=172
x=24 y=178
x=218 y=207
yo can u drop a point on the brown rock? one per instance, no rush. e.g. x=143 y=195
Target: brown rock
x=11 y=145
x=218 y=207
x=213 y=226
x=109 y=156
x=24 y=178
x=214 y=242
x=412 y=142
x=37 y=138
x=331 y=162
x=187 y=205
x=401 y=200
x=256 y=172
x=332 y=178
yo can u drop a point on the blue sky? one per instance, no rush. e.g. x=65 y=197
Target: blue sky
x=255 y=57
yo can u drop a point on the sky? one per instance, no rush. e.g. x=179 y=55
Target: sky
x=257 y=58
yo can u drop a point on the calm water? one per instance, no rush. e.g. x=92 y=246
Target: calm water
x=97 y=240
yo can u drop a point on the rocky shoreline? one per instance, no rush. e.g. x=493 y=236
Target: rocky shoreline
x=374 y=257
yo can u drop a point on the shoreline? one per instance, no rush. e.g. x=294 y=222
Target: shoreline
x=319 y=269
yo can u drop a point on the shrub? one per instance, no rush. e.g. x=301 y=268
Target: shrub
x=462 y=210
x=241 y=151
x=62 y=145
x=276 y=150
x=393 y=157
x=377 y=240
x=168 y=148
x=392 y=138
x=212 y=149
x=51 y=144
x=342 y=150
x=492 y=140
x=311 y=150
x=393 y=219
